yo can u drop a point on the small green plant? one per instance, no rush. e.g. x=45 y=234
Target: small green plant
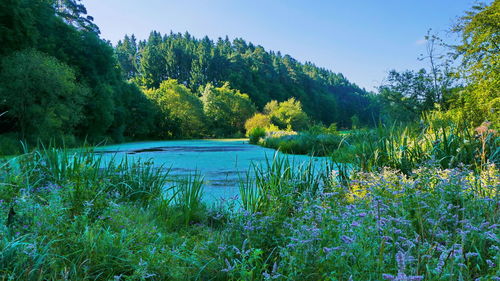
x=256 y=134
x=250 y=196
x=188 y=195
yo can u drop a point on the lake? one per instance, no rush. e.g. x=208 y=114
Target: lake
x=221 y=162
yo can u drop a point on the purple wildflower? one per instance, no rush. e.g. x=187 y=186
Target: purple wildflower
x=388 y=276
x=470 y=255
x=327 y=250
x=400 y=259
x=229 y=266
x=347 y=239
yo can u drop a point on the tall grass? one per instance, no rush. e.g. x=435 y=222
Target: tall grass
x=311 y=143
x=101 y=221
x=405 y=148
x=188 y=197
x=278 y=178
x=402 y=147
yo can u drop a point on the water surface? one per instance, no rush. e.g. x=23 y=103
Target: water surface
x=221 y=162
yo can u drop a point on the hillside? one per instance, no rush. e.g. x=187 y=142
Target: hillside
x=264 y=75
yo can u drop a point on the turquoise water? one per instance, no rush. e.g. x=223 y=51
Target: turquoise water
x=221 y=162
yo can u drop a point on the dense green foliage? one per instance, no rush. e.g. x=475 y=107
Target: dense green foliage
x=85 y=96
x=227 y=109
x=406 y=148
x=408 y=94
x=42 y=94
x=264 y=75
x=60 y=80
x=256 y=134
x=400 y=147
x=71 y=216
x=279 y=117
x=480 y=50
x=259 y=120
x=181 y=111
x=287 y=115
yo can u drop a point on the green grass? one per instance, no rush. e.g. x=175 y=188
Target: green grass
x=401 y=147
x=69 y=215
x=305 y=143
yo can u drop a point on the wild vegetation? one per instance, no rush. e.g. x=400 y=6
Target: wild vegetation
x=437 y=113
x=65 y=217
x=410 y=193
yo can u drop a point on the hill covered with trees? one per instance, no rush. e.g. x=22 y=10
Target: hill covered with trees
x=326 y=96
x=60 y=81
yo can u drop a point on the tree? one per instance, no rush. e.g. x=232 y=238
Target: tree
x=407 y=94
x=259 y=120
x=227 y=109
x=41 y=94
x=75 y=14
x=264 y=75
x=480 y=53
x=133 y=114
x=152 y=64
x=17 y=30
x=126 y=53
x=62 y=30
x=440 y=70
x=180 y=106
x=287 y=114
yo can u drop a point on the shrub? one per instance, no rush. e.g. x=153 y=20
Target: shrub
x=256 y=134
x=258 y=120
x=42 y=94
x=304 y=143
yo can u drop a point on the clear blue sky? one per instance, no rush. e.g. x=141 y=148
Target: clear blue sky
x=363 y=39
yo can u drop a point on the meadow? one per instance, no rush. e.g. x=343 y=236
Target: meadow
x=70 y=215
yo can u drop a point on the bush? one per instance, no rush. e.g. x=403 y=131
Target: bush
x=256 y=134
x=42 y=94
x=258 y=120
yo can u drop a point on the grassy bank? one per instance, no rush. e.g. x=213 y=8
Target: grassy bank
x=400 y=147
x=67 y=216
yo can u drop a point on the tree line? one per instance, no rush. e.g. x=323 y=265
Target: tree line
x=462 y=80
x=326 y=96
x=60 y=81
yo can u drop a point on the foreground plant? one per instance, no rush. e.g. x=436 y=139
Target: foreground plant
x=66 y=216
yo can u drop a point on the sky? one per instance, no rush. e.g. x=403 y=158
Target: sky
x=362 y=39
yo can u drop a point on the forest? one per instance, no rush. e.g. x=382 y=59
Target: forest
x=218 y=84
x=400 y=183
x=115 y=85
